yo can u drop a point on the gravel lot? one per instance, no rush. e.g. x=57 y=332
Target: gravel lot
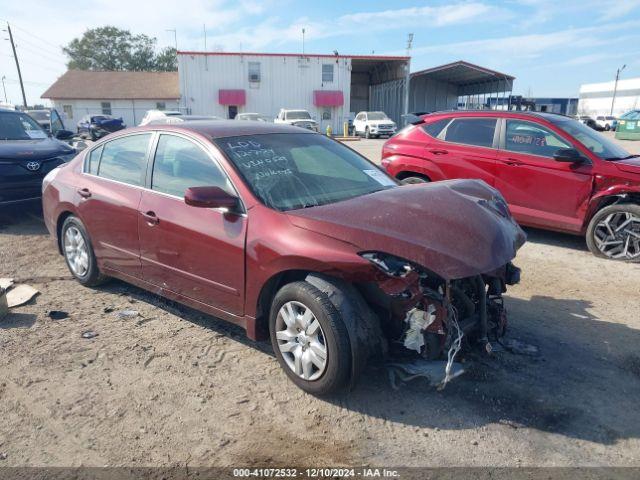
x=176 y=387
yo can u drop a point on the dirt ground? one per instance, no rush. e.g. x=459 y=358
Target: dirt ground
x=176 y=387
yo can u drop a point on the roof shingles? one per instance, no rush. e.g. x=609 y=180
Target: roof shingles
x=98 y=85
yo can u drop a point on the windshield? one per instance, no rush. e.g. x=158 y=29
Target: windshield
x=298 y=115
x=594 y=141
x=287 y=171
x=376 y=116
x=19 y=126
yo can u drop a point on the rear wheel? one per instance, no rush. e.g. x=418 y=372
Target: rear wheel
x=614 y=233
x=310 y=339
x=78 y=253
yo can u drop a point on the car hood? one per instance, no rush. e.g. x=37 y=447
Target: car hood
x=447 y=227
x=630 y=165
x=37 y=149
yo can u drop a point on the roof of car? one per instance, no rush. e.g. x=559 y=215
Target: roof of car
x=497 y=113
x=232 y=128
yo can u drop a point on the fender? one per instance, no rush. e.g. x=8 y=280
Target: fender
x=614 y=193
x=395 y=164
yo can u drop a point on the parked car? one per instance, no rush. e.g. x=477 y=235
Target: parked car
x=27 y=154
x=291 y=235
x=589 y=122
x=254 y=117
x=554 y=172
x=156 y=114
x=297 y=118
x=373 y=124
x=51 y=122
x=605 y=122
x=43 y=117
x=98 y=126
x=176 y=119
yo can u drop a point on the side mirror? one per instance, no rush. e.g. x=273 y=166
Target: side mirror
x=568 y=155
x=64 y=134
x=210 y=197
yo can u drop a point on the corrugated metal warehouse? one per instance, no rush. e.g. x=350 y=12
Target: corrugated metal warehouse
x=598 y=98
x=225 y=84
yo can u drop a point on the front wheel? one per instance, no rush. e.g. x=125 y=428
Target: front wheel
x=614 y=233
x=310 y=339
x=367 y=134
x=413 y=180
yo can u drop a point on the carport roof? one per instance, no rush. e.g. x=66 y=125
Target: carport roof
x=463 y=73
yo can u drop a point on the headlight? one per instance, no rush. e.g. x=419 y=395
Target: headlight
x=389 y=264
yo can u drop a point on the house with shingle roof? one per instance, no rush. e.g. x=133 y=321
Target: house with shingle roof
x=122 y=94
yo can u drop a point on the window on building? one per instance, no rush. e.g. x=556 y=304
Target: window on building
x=124 y=159
x=471 y=131
x=106 y=108
x=531 y=138
x=326 y=114
x=254 y=71
x=161 y=106
x=180 y=164
x=68 y=111
x=327 y=72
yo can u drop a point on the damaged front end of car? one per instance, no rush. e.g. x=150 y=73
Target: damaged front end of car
x=421 y=311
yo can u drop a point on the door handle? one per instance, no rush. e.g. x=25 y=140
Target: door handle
x=151 y=217
x=437 y=151
x=513 y=162
x=84 y=192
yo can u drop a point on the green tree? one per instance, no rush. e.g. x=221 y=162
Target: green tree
x=110 y=48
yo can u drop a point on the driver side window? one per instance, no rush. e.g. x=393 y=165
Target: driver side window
x=179 y=164
x=533 y=139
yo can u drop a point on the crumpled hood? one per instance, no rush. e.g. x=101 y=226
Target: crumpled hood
x=630 y=165
x=37 y=149
x=447 y=227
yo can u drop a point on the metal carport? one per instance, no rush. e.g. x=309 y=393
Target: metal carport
x=455 y=85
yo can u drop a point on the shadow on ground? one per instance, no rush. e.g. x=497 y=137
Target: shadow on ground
x=556 y=239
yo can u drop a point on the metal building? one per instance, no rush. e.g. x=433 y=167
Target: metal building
x=457 y=85
x=331 y=87
x=599 y=98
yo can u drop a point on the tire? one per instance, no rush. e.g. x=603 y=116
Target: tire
x=94 y=137
x=626 y=218
x=413 y=180
x=607 y=127
x=366 y=133
x=82 y=264
x=331 y=334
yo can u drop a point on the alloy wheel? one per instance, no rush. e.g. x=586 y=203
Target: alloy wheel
x=618 y=235
x=301 y=340
x=75 y=249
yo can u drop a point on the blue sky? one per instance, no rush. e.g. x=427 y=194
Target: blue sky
x=550 y=46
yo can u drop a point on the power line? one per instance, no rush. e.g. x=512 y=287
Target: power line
x=46 y=42
x=48 y=50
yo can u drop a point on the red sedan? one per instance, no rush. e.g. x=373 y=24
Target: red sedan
x=554 y=172
x=292 y=236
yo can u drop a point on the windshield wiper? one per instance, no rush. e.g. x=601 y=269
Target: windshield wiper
x=622 y=158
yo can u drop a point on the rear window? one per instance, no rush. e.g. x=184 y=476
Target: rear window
x=471 y=131
x=124 y=159
x=434 y=128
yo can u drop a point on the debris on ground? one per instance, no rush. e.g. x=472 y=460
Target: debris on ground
x=519 y=347
x=127 y=314
x=20 y=295
x=89 y=334
x=433 y=371
x=57 y=315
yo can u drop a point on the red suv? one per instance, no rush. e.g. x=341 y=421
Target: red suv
x=291 y=235
x=554 y=172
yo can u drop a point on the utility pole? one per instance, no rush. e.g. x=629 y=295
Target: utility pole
x=4 y=89
x=303 y=31
x=407 y=80
x=15 y=56
x=175 y=36
x=615 y=87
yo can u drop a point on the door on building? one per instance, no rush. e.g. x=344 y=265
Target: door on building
x=233 y=111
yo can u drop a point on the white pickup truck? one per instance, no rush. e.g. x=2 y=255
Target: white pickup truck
x=297 y=118
x=373 y=124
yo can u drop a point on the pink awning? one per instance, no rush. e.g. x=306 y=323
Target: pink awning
x=328 y=98
x=232 y=97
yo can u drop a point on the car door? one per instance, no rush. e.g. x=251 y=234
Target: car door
x=465 y=148
x=108 y=199
x=540 y=190
x=195 y=252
